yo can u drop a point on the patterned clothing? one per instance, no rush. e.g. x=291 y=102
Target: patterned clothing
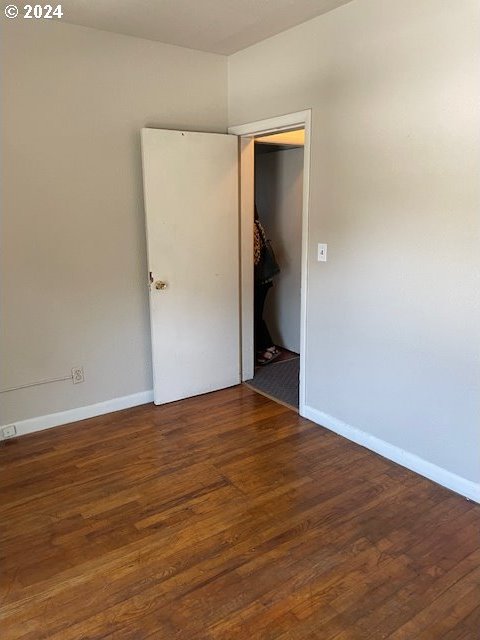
x=257 y=244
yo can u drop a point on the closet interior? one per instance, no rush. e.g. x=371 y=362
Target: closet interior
x=279 y=161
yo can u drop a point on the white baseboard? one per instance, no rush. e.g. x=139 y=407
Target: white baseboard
x=81 y=413
x=409 y=460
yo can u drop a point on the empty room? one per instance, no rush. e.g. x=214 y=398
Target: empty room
x=240 y=320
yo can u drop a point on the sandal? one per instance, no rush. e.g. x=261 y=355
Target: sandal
x=269 y=355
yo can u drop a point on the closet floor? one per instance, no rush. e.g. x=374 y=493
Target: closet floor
x=279 y=380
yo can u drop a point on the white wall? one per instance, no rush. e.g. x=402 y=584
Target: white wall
x=278 y=194
x=393 y=317
x=73 y=248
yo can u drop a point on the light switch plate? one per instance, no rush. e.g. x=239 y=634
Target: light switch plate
x=322 y=253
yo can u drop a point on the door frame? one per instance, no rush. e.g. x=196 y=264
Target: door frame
x=247 y=133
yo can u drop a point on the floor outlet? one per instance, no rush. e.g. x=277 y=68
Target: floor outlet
x=9 y=432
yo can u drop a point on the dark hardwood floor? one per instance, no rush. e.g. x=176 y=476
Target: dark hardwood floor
x=227 y=517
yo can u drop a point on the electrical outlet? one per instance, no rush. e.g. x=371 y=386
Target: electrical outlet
x=9 y=432
x=77 y=375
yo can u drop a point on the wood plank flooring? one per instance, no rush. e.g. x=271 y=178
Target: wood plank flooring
x=227 y=517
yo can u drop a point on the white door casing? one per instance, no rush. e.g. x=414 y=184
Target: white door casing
x=248 y=132
x=191 y=206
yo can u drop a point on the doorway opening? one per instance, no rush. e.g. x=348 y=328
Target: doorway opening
x=278 y=183
x=274 y=178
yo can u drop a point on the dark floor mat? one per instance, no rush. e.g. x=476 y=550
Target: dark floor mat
x=279 y=380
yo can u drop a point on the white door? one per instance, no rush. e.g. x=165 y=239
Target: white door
x=191 y=203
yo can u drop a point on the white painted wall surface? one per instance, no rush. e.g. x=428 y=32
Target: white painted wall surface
x=74 y=288
x=393 y=317
x=278 y=194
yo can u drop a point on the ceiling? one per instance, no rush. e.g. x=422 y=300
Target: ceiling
x=295 y=138
x=218 y=26
x=280 y=141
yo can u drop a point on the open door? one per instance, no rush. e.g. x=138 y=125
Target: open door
x=191 y=203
